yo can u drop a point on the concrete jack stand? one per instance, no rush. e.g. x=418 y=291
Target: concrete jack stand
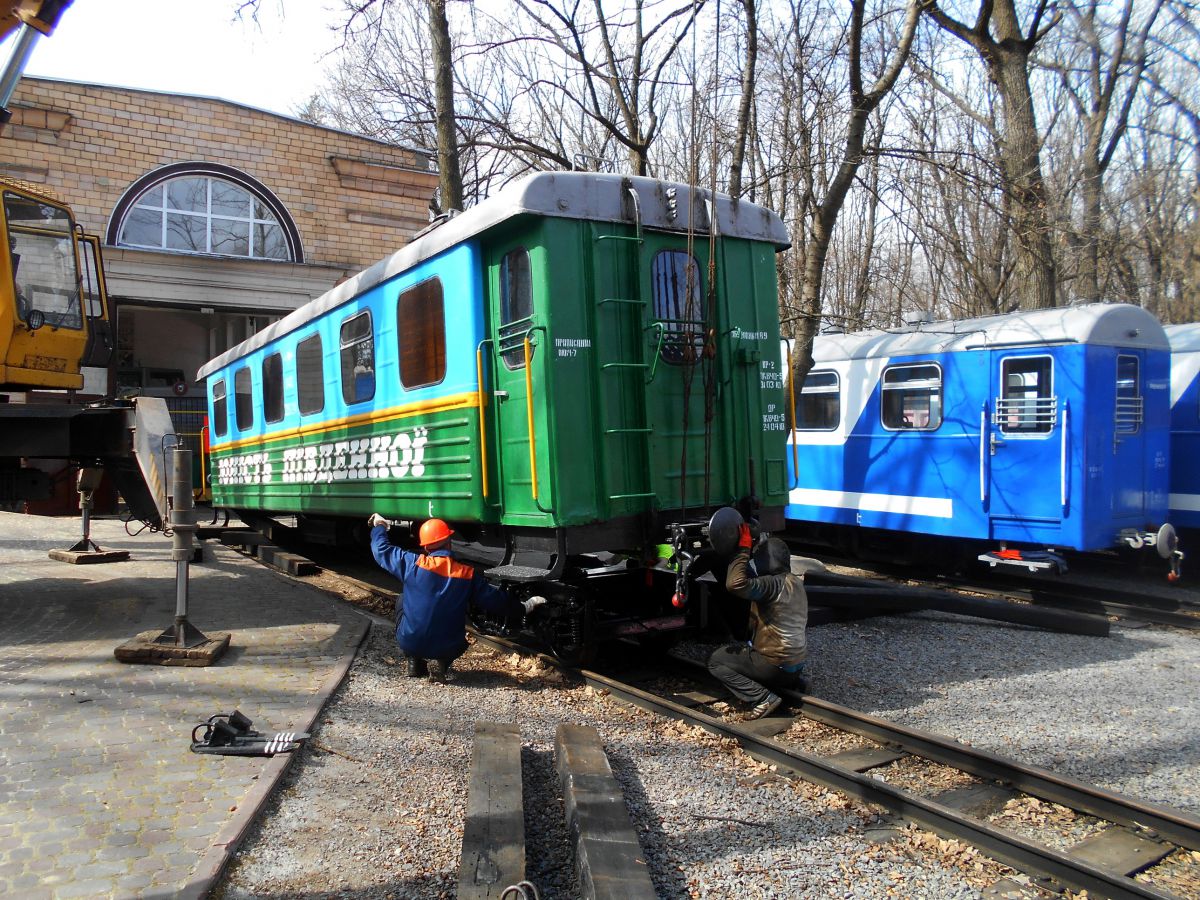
x=85 y=550
x=181 y=644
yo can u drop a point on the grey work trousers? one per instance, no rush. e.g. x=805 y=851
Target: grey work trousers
x=748 y=674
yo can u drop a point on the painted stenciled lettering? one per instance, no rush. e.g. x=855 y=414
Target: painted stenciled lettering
x=770 y=377
x=380 y=456
x=568 y=347
x=774 y=421
x=739 y=334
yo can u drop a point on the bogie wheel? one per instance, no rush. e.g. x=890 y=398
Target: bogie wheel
x=570 y=630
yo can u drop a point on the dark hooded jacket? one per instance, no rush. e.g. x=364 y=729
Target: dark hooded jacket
x=778 y=610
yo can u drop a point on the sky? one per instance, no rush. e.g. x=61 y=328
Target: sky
x=194 y=47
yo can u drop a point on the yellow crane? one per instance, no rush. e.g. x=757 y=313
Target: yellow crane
x=53 y=323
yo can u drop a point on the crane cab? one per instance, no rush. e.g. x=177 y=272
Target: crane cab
x=53 y=307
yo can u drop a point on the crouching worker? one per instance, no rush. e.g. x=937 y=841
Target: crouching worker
x=774 y=656
x=437 y=592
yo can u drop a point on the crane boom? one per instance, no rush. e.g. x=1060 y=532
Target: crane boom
x=32 y=19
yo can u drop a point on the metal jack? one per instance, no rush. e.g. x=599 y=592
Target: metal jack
x=85 y=550
x=181 y=644
x=183 y=526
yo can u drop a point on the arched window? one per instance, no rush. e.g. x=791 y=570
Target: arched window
x=204 y=208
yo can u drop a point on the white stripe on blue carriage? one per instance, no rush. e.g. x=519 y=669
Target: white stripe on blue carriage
x=1185 y=424
x=937 y=507
x=1046 y=428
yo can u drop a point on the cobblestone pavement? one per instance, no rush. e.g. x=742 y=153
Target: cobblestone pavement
x=99 y=793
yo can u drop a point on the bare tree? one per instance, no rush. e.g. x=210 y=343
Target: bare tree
x=1101 y=65
x=742 y=132
x=1005 y=47
x=619 y=60
x=450 y=183
x=863 y=101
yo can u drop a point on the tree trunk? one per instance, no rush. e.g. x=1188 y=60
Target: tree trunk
x=449 y=174
x=1021 y=162
x=741 y=135
x=1091 y=186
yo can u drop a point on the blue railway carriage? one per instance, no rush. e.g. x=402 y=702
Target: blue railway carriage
x=1034 y=430
x=1185 y=424
x=580 y=363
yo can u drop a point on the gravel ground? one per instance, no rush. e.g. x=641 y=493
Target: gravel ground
x=375 y=807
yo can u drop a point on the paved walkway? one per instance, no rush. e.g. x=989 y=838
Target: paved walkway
x=99 y=793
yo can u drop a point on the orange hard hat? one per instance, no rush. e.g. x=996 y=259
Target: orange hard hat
x=434 y=531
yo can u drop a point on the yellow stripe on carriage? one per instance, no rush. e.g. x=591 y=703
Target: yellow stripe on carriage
x=438 y=404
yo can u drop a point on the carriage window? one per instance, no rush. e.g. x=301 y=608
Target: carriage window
x=220 y=409
x=310 y=376
x=421 y=324
x=819 y=404
x=1027 y=404
x=243 y=399
x=516 y=306
x=912 y=397
x=1129 y=395
x=272 y=379
x=358 y=359
x=679 y=305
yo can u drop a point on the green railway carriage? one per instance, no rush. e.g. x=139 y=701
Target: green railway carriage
x=580 y=363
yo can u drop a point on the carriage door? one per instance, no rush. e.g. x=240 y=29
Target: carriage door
x=512 y=321
x=1023 y=448
x=675 y=386
x=1128 y=460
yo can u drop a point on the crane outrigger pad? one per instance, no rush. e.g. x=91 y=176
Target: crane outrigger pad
x=148 y=648
x=231 y=735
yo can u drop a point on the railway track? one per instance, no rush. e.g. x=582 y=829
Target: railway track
x=1045 y=592
x=1137 y=836
x=1134 y=836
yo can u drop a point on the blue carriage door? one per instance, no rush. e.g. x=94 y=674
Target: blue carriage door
x=1127 y=469
x=1024 y=454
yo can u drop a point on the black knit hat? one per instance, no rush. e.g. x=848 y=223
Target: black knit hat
x=772 y=557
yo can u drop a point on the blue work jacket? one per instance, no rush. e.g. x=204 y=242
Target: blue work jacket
x=437 y=592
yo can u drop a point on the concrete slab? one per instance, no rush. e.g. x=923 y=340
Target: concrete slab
x=99 y=793
x=609 y=860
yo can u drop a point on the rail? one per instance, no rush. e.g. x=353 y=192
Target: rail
x=1075 y=873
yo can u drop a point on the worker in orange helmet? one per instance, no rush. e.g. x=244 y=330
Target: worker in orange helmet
x=437 y=592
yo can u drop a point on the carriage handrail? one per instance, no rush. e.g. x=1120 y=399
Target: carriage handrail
x=637 y=219
x=657 y=348
x=204 y=489
x=1062 y=463
x=1127 y=417
x=983 y=427
x=517 y=323
x=529 y=416
x=482 y=422
x=1025 y=412
x=792 y=405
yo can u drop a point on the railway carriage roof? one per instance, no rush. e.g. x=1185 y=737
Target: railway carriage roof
x=1184 y=337
x=660 y=205
x=1107 y=324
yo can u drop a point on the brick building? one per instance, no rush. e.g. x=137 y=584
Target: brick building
x=217 y=219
